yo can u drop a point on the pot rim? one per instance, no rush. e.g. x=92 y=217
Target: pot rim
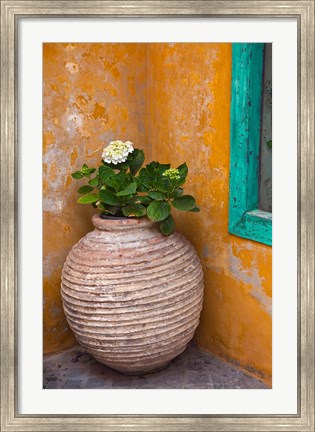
x=107 y=217
x=121 y=223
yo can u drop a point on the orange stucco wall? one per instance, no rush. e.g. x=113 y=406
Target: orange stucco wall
x=93 y=93
x=173 y=101
x=190 y=121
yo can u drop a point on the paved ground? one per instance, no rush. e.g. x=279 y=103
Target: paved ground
x=194 y=369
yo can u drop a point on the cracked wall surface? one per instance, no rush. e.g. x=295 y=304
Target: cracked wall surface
x=92 y=94
x=172 y=100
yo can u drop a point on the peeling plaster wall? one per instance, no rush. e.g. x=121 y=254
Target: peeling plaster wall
x=190 y=121
x=172 y=100
x=93 y=93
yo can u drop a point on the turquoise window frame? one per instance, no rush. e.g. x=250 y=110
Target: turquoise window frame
x=245 y=218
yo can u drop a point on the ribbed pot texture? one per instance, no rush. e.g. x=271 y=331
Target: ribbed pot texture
x=131 y=295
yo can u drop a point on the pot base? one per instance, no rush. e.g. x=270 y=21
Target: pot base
x=139 y=372
x=146 y=372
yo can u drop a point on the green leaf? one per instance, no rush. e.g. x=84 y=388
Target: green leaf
x=158 y=210
x=155 y=168
x=269 y=143
x=77 y=175
x=100 y=205
x=85 y=169
x=163 y=185
x=127 y=177
x=136 y=210
x=167 y=225
x=185 y=202
x=152 y=166
x=183 y=170
x=145 y=178
x=113 y=182
x=156 y=195
x=85 y=189
x=142 y=188
x=107 y=209
x=129 y=190
x=105 y=173
x=108 y=197
x=110 y=178
x=177 y=193
x=137 y=161
x=94 y=181
x=179 y=182
x=139 y=199
x=152 y=174
x=137 y=180
x=88 y=199
x=195 y=210
x=122 y=180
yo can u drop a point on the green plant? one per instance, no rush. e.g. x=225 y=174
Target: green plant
x=122 y=187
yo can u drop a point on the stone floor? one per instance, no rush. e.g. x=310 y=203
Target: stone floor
x=193 y=369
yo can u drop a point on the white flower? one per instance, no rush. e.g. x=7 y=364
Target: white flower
x=117 y=152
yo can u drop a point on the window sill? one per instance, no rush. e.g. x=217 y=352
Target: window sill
x=254 y=225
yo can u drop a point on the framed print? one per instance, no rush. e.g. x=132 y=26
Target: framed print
x=91 y=92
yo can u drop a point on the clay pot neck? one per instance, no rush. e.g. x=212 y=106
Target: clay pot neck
x=121 y=223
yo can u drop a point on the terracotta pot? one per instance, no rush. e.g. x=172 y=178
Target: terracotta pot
x=132 y=296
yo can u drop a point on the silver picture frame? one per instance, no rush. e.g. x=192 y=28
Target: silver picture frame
x=11 y=12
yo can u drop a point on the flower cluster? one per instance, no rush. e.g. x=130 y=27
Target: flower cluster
x=117 y=152
x=172 y=174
